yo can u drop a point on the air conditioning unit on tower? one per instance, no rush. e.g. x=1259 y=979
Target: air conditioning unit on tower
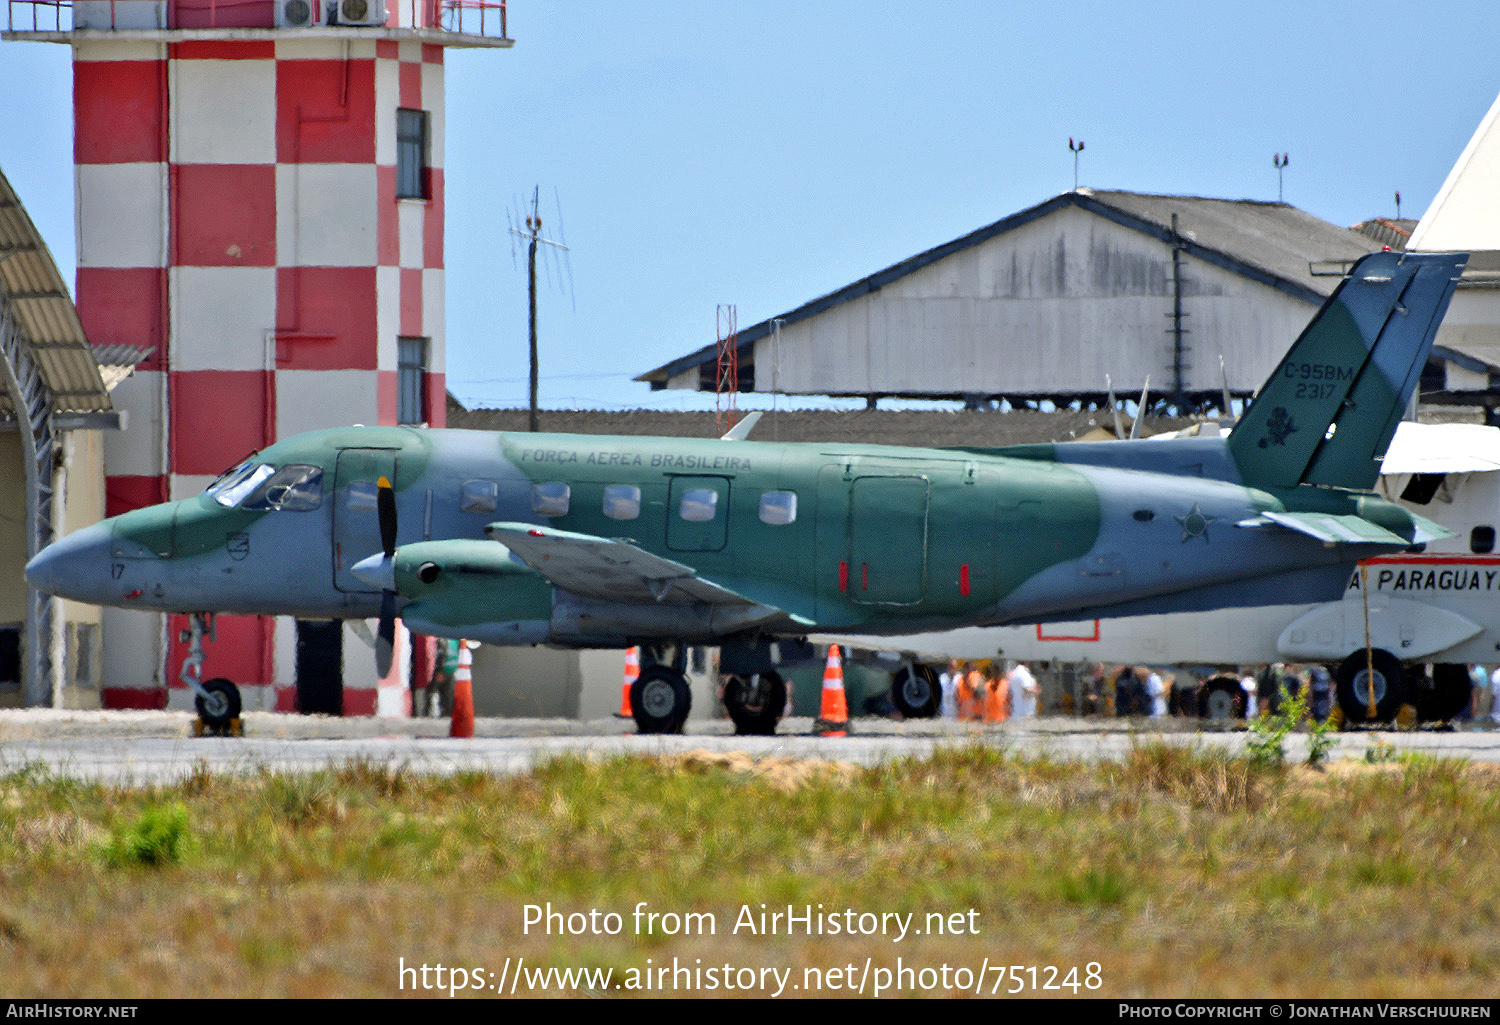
x=294 y=13
x=356 y=12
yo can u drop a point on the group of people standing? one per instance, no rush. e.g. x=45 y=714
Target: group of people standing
x=987 y=692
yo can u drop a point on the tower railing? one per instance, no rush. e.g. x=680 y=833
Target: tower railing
x=485 y=18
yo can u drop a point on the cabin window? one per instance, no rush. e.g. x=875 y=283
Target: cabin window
x=698 y=505
x=478 y=496
x=292 y=488
x=1482 y=540
x=622 y=501
x=551 y=499
x=231 y=489
x=778 y=508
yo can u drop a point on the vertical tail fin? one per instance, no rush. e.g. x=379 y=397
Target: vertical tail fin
x=1327 y=413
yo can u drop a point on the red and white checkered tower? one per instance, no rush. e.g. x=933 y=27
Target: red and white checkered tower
x=260 y=199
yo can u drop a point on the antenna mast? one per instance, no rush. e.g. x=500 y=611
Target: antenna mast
x=532 y=235
x=727 y=376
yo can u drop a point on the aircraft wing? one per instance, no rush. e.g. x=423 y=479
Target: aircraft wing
x=612 y=569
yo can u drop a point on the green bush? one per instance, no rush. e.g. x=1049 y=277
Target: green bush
x=158 y=836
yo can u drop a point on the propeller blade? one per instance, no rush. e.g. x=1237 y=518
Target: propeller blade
x=385 y=505
x=1114 y=407
x=1224 y=381
x=385 y=636
x=1140 y=411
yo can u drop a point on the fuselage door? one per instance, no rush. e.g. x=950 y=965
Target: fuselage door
x=356 y=523
x=887 y=540
x=698 y=514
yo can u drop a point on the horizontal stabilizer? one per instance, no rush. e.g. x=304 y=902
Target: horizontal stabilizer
x=1331 y=529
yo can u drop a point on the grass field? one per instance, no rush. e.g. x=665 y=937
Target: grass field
x=1175 y=873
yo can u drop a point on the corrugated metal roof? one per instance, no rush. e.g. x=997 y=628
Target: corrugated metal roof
x=1388 y=231
x=1271 y=243
x=915 y=427
x=32 y=286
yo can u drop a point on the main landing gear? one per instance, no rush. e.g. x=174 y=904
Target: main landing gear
x=755 y=702
x=659 y=698
x=1376 y=697
x=915 y=691
x=218 y=700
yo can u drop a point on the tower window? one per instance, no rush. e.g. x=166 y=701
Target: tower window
x=411 y=154
x=411 y=374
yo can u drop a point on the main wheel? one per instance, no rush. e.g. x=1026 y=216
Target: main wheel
x=1448 y=696
x=755 y=703
x=222 y=705
x=1221 y=698
x=915 y=691
x=660 y=700
x=1356 y=685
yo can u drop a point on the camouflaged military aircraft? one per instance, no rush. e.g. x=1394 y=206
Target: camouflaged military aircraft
x=606 y=541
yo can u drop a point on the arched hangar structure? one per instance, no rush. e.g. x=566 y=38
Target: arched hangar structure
x=52 y=384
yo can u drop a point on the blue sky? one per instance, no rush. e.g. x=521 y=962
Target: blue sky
x=764 y=154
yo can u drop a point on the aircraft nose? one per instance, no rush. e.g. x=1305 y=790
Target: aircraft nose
x=377 y=571
x=70 y=566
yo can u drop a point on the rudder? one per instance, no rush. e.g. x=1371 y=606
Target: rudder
x=1328 y=412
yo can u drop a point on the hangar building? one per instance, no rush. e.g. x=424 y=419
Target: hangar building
x=1041 y=305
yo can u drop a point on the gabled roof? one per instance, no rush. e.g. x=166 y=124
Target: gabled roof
x=1271 y=243
x=928 y=428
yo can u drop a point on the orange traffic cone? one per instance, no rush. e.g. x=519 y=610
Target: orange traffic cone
x=632 y=673
x=463 y=694
x=833 y=715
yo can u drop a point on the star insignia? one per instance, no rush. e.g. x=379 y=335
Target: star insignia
x=1195 y=523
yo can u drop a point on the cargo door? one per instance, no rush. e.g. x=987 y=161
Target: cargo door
x=887 y=540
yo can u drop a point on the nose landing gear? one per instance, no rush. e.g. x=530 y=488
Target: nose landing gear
x=218 y=700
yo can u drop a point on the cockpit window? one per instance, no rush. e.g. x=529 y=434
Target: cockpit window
x=293 y=488
x=230 y=489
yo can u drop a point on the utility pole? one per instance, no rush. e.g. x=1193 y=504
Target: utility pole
x=533 y=236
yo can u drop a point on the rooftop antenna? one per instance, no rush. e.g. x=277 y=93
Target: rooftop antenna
x=1280 y=160
x=1398 y=204
x=727 y=371
x=1077 y=148
x=531 y=234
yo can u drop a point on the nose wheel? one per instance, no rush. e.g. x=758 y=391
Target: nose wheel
x=218 y=700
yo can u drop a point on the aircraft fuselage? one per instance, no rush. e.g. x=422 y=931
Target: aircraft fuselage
x=864 y=539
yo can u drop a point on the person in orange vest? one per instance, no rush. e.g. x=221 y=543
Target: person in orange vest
x=996 y=697
x=971 y=693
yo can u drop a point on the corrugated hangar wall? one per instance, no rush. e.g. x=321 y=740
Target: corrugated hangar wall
x=1052 y=307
